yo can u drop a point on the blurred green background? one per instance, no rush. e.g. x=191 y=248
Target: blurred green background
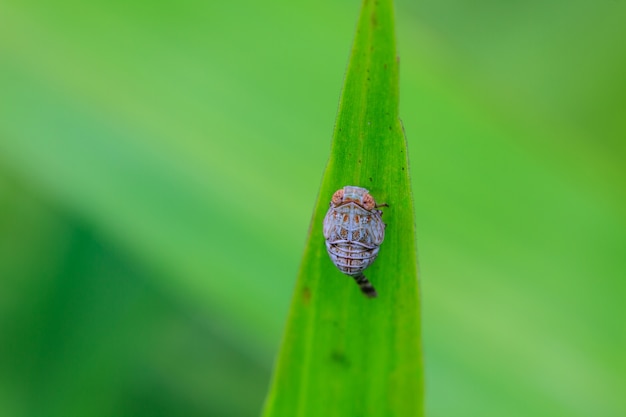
x=159 y=163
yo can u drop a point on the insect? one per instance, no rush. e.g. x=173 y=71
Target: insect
x=354 y=230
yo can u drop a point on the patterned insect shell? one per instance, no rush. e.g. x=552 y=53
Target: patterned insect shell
x=353 y=229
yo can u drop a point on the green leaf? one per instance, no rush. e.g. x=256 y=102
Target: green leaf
x=342 y=353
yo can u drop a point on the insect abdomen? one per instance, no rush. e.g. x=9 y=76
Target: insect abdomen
x=351 y=258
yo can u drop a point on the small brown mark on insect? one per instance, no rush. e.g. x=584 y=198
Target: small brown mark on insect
x=306 y=295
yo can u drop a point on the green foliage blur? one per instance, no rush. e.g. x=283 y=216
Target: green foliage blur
x=159 y=162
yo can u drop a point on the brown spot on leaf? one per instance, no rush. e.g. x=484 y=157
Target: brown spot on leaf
x=306 y=295
x=340 y=358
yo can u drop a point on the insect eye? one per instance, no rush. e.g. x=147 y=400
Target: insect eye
x=368 y=202
x=337 y=197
